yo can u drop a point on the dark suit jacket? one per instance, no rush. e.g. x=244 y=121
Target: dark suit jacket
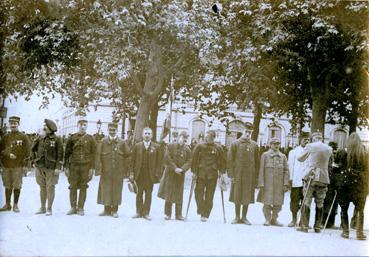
x=154 y=160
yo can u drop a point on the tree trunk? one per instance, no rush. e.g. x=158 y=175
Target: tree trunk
x=353 y=119
x=154 y=119
x=258 y=111
x=153 y=87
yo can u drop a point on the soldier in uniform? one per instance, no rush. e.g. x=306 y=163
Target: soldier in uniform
x=273 y=182
x=48 y=150
x=145 y=171
x=80 y=162
x=111 y=161
x=317 y=154
x=208 y=161
x=243 y=167
x=177 y=161
x=297 y=172
x=15 y=150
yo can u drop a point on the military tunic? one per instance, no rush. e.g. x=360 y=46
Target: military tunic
x=171 y=184
x=243 y=164
x=18 y=144
x=80 y=158
x=111 y=163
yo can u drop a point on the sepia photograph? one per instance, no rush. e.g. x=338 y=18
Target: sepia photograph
x=184 y=128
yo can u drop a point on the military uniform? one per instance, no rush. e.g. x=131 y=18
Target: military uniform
x=273 y=180
x=80 y=159
x=207 y=161
x=112 y=161
x=18 y=144
x=172 y=183
x=48 y=151
x=317 y=155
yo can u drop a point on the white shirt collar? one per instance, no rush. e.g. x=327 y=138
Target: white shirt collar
x=146 y=144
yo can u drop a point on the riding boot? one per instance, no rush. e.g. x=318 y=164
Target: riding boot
x=318 y=219
x=360 y=226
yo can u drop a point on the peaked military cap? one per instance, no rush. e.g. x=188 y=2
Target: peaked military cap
x=51 y=125
x=82 y=120
x=183 y=133
x=249 y=126
x=112 y=125
x=317 y=134
x=275 y=140
x=14 y=118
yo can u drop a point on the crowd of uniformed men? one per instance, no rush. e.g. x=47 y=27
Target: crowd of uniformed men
x=312 y=170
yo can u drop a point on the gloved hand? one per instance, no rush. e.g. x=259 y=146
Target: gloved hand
x=131 y=177
x=91 y=174
x=178 y=170
x=12 y=156
x=57 y=172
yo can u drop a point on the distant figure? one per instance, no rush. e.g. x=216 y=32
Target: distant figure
x=15 y=151
x=273 y=182
x=243 y=167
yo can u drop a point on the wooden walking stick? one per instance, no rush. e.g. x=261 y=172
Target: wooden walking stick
x=330 y=210
x=191 y=193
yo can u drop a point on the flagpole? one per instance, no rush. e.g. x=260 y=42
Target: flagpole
x=171 y=105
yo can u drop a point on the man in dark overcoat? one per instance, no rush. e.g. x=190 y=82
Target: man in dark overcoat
x=243 y=166
x=208 y=162
x=15 y=150
x=273 y=182
x=145 y=171
x=48 y=158
x=112 y=159
x=177 y=161
x=80 y=154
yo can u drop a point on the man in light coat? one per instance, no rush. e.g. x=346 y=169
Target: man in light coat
x=317 y=154
x=273 y=182
x=297 y=172
x=243 y=167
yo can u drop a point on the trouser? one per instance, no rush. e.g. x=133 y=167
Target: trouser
x=359 y=203
x=110 y=208
x=271 y=212
x=296 y=200
x=78 y=179
x=318 y=192
x=238 y=210
x=168 y=209
x=143 y=205
x=204 y=195
x=328 y=202
x=46 y=179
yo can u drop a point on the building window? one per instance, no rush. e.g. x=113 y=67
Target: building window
x=198 y=131
x=340 y=137
x=234 y=131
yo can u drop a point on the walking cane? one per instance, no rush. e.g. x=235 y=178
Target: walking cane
x=303 y=202
x=190 y=196
x=330 y=210
x=223 y=187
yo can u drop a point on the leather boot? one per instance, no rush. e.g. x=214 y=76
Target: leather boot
x=318 y=219
x=344 y=223
x=360 y=225
x=294 y=220
x=8 y=196
x=304 y=220
x=73 y=201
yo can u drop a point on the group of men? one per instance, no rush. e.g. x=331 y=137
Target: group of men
x=305 y=172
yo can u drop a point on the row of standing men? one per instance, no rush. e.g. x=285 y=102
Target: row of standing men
x=306 y=173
